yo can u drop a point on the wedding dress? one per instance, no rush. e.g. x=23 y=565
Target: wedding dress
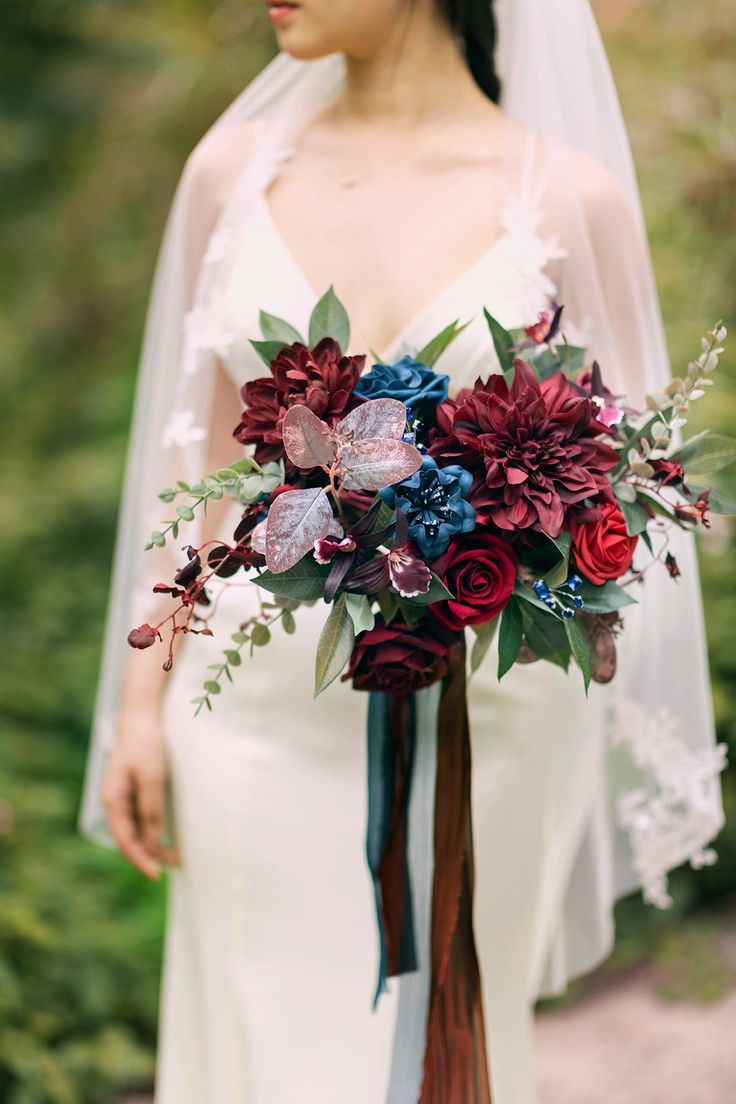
x=272 y=947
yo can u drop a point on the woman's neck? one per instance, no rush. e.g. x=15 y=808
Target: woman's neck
x=419 y=76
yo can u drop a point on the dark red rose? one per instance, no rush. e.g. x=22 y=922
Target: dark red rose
x=143 y=637
x=322 y=379
x=602 y=548
x=480 y=570
x=533 y=449
x=398 y=659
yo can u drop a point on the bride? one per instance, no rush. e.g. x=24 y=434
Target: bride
x=427 y=158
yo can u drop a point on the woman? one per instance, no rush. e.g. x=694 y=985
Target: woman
x=378 y=154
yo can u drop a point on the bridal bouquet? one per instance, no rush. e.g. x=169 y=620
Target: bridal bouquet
x=532 y=504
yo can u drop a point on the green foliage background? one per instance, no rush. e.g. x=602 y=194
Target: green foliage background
x=100 y=101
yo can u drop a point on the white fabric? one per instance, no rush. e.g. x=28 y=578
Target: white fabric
x=568 y=854
x=272 y=943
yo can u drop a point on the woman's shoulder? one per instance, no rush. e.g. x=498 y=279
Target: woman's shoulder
x=218 y=159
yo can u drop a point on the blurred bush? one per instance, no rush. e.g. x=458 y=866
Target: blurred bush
x=100 y=100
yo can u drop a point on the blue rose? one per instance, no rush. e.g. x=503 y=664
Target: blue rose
x=407 y=380
x=433 y=500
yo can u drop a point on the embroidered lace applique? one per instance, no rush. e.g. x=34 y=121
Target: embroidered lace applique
x=671 y=817
x=181 y=430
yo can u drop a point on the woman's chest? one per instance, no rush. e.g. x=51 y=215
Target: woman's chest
x=262 y=273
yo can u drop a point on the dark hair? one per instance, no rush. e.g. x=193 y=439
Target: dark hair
x=474 y=24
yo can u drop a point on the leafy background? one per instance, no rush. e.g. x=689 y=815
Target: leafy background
x=100 y=100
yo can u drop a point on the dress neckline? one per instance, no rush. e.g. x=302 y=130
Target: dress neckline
x=388 y=353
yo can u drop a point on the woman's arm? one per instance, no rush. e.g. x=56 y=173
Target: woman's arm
x=134 y=785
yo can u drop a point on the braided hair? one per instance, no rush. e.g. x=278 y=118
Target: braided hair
x=474 y=24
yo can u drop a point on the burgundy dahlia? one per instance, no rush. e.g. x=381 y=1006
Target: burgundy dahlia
x=533 y=449
x=321 y=378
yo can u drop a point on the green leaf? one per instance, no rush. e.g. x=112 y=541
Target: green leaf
x=604 y=599
x=502 y=343
x=185 y=512
x=635 y=516
x=329 y=319
x=388 y=603
x=278 y=329
x=233 y=657
x=288 y=622
x=484 y=634
x=624 y=492
x=335 y=645
x=558 y=574
x=430 y=353
x=546 y=635
x=158 y=539
x=260 y=634
x=580 y=647
x=240 y=637
x=244 y=465
x=305 y=580
x=437 y=593
x=359 y=608
x=212 y=687
x=168 y=495
x=718 y=501
x=705 y=455
x=509 y=637
x=267 y=350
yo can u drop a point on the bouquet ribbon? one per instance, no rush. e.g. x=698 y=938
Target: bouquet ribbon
x=420 y=852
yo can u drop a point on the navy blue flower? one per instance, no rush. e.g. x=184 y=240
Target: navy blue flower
x=407 y=380
x=433 y=500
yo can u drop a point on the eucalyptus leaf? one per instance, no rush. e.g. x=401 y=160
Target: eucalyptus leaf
x=329 y=319
x=295 y=521
x=335 y=645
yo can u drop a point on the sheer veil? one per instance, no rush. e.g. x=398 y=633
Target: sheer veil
x=659 y=802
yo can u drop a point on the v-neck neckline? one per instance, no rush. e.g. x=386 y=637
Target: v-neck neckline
x=420 y=315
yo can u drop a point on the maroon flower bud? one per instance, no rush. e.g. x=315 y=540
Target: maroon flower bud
x=142 y=637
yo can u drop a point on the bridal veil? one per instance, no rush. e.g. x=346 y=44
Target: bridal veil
x=660 y=805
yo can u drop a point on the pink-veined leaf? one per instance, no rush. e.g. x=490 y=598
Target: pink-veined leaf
x=307 y=440
x=295 y=521
x=258 y=537
x=379 y=463
x=376 y=418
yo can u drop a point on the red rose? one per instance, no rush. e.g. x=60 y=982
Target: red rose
x=602 y=548
x=480 y=571
x=398 y=659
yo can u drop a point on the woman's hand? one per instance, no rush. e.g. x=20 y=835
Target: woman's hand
x=134 y=791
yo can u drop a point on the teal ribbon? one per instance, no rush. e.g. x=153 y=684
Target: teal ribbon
x=381 y=796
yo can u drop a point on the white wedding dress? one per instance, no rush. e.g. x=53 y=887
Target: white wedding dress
x=271 y=951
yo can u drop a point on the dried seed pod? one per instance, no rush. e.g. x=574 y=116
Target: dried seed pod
x=526 y=655
x=602 y=629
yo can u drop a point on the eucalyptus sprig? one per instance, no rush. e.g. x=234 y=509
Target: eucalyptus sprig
x=255 y=632
x=245 y=481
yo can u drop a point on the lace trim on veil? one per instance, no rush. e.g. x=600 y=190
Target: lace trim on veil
x=670 y=818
